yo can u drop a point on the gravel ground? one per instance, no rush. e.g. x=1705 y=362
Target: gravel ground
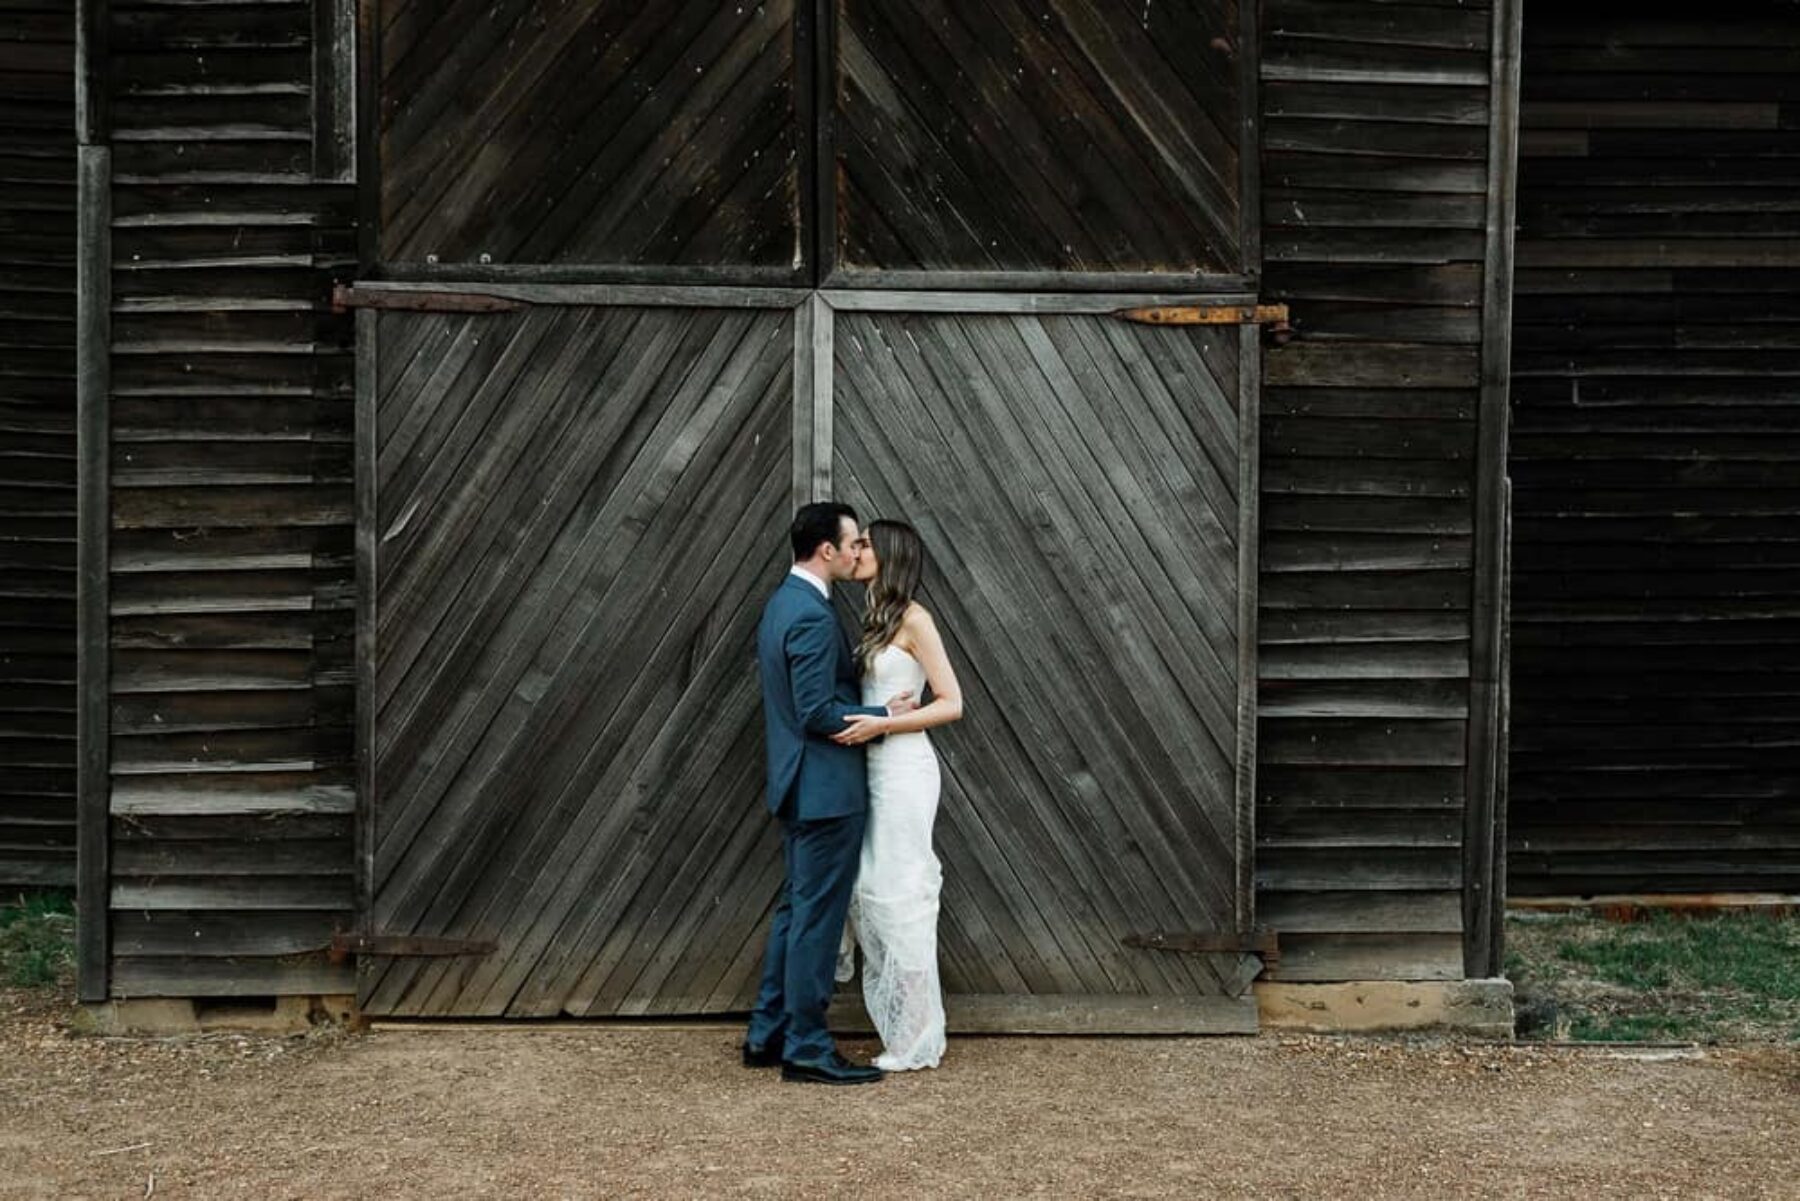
x=667 y=1111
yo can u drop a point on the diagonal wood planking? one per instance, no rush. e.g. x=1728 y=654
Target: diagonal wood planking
x=1084 y=567
x=566 y=762
x=599 y=131
x=1066 y=136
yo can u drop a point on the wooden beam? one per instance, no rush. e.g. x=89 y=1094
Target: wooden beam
x=473 y=295
x=843 y=278
x=1249 y=567
x=589 y=273
x=821 y=399
x=367 y=543
x=334 y=90
x=1483 y=878
x=890 y=300
x=93 y=520
x=1250 y=214
x=92 y=117
x=366 y=117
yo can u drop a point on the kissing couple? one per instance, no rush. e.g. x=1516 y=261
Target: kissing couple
x=854 y=782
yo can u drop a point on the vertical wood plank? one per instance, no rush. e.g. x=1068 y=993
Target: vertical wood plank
x=1481 y=899
x=1249 y=526
x=367 y=578
x=368 y=144
x=93 y=516
x=334 y=89
x=815 y=65
x=92 y=123
x=1250 y=142
x=805 y=319
x=823 y=350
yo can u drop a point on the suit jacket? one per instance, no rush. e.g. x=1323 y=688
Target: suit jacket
x=809 y=686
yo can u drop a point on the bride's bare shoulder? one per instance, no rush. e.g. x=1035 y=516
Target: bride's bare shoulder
x=916 y=617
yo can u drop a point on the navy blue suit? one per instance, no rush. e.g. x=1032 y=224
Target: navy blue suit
x=820 y=792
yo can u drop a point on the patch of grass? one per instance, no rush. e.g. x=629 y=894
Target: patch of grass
x=1740 y=952
x=37 y=940
x=1627 y=1028
x=1729 y=977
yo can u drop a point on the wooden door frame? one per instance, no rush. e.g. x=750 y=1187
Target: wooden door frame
x=815 y=312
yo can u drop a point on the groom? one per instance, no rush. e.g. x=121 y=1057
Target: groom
x=818 y=790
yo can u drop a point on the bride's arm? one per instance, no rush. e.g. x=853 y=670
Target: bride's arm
x=927 y=646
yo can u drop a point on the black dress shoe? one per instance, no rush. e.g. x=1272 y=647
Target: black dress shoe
x=829 y=1069
x=761 y=1057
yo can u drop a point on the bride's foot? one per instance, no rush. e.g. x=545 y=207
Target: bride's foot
x=888 y=1063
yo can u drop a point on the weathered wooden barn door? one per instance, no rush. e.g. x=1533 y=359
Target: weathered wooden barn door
x=572 y=507
x=570 y=519
x=571 y=515
x=1085 y=485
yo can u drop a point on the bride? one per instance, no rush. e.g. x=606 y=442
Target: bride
x=895 y=906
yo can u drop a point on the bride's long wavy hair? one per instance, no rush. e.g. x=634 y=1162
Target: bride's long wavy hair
x=901 y=559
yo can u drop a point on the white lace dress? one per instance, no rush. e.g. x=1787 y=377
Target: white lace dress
x=894 y=910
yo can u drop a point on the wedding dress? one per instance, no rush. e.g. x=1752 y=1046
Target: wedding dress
x=894 y=909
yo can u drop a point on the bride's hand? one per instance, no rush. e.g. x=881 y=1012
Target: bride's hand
x=862 y=728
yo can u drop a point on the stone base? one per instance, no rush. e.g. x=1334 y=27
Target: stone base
x=1480 y=1007
x=185 y=1015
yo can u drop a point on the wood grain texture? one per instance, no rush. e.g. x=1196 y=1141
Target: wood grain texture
x=567 y=742
x=37 y=447
x=1654 y=433
x=1075 y=480
x=1068 y=137
x=598 y=132
x=1375 y=208
x=229 y=558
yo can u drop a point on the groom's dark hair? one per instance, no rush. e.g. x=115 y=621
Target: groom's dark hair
x=816 y=523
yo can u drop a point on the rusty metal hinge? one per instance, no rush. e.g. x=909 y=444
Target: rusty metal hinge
x=1275 y=316
x=347 y=943
x=345 y=297
x=1263 y=943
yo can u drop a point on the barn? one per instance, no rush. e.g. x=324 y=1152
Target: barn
x=460 y=365
x=446 y=374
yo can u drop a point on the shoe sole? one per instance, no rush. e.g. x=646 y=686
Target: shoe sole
x=793 y=1077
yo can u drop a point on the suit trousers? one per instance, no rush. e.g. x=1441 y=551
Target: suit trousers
x=798 y=968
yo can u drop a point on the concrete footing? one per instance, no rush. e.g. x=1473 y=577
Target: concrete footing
x=183 y=1015
x=1481 y=1007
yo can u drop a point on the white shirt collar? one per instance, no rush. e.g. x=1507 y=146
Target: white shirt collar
x=812 y=579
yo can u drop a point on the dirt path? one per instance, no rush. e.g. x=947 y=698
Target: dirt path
x=668 y=1112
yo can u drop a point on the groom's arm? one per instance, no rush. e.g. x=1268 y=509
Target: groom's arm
x=811 y=647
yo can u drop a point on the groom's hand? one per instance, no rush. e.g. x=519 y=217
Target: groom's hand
x=901 y=702
x=860 y=728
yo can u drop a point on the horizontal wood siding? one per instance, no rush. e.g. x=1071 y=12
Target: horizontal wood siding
x=37 y=445
x=1374 y=170
x=231 y=558
x=1656 y=453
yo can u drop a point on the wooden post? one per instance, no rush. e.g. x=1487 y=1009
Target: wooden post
x=1249 y=526
x=1250 y=219
x=367 y=540
x=1482 y=820
x=93 y=384
x=334 y=90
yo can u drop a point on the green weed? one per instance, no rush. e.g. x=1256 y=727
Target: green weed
x=37 y=939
